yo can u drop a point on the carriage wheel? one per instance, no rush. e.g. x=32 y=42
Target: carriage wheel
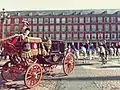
x=68 y=63
x=9 y=73
x=33 y=75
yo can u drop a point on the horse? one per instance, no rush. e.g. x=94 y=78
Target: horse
x=118 y=52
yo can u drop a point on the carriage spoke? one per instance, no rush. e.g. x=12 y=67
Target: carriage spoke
x=33 y=75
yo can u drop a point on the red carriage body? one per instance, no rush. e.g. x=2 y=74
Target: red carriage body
x=29 y=57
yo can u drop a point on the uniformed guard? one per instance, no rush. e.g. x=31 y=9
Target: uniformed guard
x=25 y=29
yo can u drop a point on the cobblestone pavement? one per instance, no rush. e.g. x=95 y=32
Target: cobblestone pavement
x=102 y=77
x=92 y=79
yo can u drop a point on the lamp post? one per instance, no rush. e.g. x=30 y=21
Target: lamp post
x=4 y=17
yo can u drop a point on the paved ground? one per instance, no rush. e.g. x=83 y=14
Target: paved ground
x=102 y=77
x=92 y=76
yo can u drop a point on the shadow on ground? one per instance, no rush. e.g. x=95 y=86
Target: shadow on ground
x=110 y=67
x=103 y=78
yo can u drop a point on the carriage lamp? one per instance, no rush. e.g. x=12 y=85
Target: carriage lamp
x=4 y=17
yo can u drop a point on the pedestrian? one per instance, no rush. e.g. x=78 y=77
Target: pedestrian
x=106 y=49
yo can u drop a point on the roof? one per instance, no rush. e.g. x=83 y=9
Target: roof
x=64 y=12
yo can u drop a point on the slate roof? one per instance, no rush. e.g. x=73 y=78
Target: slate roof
x=64 y=12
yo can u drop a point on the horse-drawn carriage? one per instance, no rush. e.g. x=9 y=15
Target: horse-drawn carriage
x=31 y=56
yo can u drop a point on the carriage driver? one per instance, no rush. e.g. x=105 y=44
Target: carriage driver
x=25 y=29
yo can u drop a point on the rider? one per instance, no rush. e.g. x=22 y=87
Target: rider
x=106 y=48
x=24 y=34
x=113 y=46
x=87 y=46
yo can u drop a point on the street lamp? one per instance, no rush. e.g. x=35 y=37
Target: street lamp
x=4 y=17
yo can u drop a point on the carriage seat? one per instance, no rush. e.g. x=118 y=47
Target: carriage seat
x=34 y=46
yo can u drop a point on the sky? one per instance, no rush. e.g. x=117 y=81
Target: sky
x=17 y=5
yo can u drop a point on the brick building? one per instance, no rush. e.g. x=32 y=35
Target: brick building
x=76 y=26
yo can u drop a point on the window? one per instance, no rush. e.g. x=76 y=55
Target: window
x=118 y=27
x=57 y=20
x=46 y=20
x=69 y=36
x=106 y=27
x=63 y=20
x=93 y=36
x=40 y=20
x=81 y=36
x=81 y=27
x=69 y=27
x=34 y=28
x=81 y=19
x=16 y=29
x=75 y=36
x=8 y=28
x=106 y=19
x=107 y=36
x=16 y=21
x=93 y=19
x=87 y=20
x=69 y=20
x=100 y=27
x=63 y=28
x=87 y=36
x=75 y=28
x=52 y=28
x=88 y=28
x=58 y=28
x=75 y=20
x=40 y=28
x=52 y=36
x=113 y=19
x=46 y=35
x=34 y=20
x=113 y=27
x=46 y=28
x=100 y=36
x=118 y=36
x=93 y=27
x=29 y=20
x=100 y=19
x=57 y=36
x=113 y=36
x=51 y=20
x=63 y=36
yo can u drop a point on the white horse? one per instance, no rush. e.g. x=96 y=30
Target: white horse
x=113 y=51
x=92 y=53
x=83 y=51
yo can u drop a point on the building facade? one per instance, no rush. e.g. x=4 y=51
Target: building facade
x=76 y=26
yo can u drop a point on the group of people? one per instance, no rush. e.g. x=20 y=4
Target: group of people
x=103 y=46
